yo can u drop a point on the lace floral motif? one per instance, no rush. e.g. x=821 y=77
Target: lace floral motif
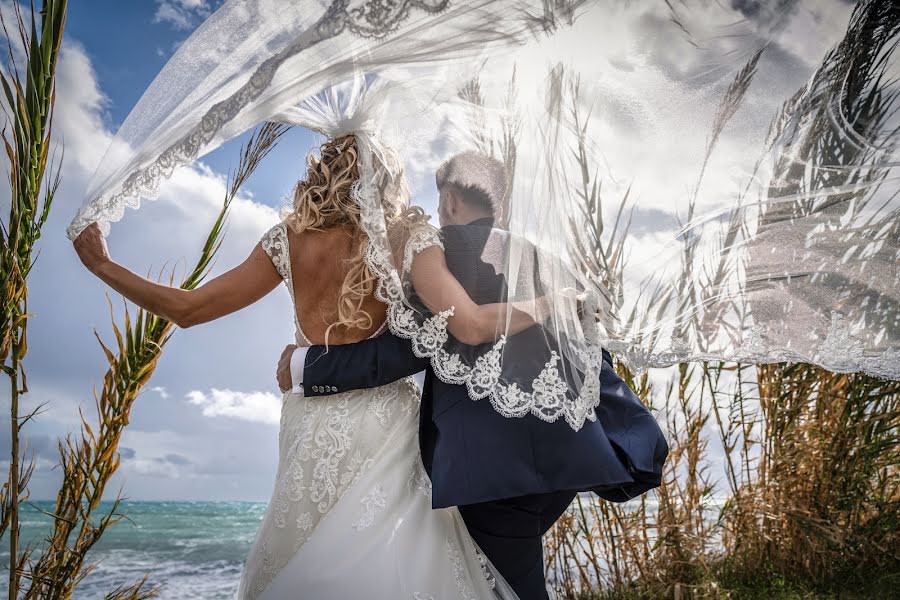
x=488 y=576
x=330 y=446
x=304 y=521
x=384 y=405
x=418 y=478
x=320 y=459
x=373 y=503
x=274 y=244
x=463 y=583
x=292 y=484
x=419 y=240
x=380 y=18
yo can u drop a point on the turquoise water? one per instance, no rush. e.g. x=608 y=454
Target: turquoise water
x=193 y=549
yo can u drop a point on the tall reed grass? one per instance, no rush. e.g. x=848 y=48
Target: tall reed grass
x=810 y=497
x=810 y=460
x=28 y=100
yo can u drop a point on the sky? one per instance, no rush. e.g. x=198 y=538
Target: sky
x=206 y=427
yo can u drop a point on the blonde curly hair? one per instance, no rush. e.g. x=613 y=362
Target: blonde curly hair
x=322 y=200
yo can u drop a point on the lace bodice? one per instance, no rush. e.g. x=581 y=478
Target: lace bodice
x=276 y=244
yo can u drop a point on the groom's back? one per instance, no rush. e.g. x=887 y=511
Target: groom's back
x=478 y=255
x=472 y=452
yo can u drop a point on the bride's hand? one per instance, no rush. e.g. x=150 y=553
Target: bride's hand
x=91 y=248
x=283 y=375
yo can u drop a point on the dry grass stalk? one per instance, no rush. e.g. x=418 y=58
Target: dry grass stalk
x=824 y=499
x=812 y=465
x=487 y=139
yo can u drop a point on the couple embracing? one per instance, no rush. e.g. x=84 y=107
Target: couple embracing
x=383 y=490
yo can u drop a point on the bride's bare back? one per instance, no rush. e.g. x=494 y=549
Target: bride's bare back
x=319 y=263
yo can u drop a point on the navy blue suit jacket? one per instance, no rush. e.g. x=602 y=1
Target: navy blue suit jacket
x=472 y=453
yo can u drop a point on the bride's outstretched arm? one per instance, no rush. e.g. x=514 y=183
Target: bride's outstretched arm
x=471 y=323
x=227 y=293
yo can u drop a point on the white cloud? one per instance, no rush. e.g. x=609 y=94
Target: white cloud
x=259 y=407
x=162 y=391
x=181 y=14
x=153 y=467
x=78 y=118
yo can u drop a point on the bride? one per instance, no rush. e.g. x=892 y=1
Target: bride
x=350 y=515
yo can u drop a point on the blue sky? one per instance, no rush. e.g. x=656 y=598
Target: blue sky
x=206 y=427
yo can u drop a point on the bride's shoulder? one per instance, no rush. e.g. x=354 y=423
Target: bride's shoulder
x=409 y=237
x=417 y=237
x=274 y=243
x=423 y=235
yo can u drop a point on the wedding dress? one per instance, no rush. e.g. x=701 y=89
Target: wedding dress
x=350 y=515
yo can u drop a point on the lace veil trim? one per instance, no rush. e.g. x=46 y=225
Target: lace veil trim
x=548 y=400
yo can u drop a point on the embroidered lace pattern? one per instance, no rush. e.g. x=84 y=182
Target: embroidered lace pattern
x=463 y=583
x=418 y=478
x=373 y=503
x=326 y=445
x=485 y=570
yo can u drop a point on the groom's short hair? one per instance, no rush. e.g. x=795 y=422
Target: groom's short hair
x=480 y=179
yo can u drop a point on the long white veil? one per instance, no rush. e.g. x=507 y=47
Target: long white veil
x=687 y=181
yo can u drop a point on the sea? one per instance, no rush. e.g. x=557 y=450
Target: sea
x=190 y=549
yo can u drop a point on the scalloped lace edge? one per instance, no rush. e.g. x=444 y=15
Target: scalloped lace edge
x=548 y=399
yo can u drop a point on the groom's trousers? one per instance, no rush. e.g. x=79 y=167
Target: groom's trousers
x=510 y=533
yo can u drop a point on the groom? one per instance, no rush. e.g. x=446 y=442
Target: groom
x=511 y=478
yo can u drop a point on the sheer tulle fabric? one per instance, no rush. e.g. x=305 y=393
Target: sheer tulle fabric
x=254 y=58
x=693 y=181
